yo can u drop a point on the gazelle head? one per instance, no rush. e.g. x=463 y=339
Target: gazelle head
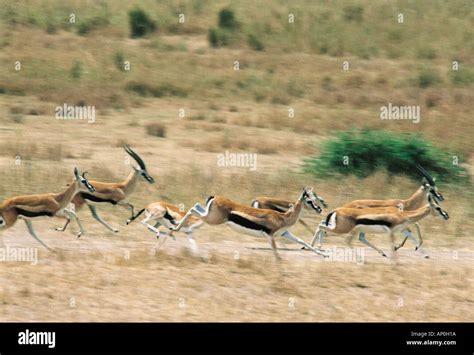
x=141 y=168
x=429 y=184
x=82 y=182
x=436 y=208
x=312 y=200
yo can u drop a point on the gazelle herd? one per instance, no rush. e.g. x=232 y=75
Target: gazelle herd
x=266 y=217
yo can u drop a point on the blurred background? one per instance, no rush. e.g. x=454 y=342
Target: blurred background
x=312 y=79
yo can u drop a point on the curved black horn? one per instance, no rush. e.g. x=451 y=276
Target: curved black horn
x=426 y=174
x=84 y=174
x=135 y=156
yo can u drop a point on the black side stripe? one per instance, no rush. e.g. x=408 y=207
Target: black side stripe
x=30 y=214
x=372 y=222
x=170 y=218
x=244 y=222
x=93 y=198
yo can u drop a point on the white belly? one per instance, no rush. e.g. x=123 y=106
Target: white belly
x=376 y=229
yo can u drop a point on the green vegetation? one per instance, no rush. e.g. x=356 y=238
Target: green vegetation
x=140 y=23
x=362 y=153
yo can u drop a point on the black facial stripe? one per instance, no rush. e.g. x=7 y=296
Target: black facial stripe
x=372 y=222
x=244 y=222
x=93 y=198
x=30 y=214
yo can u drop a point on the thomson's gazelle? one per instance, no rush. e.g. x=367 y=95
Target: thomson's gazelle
x=167 y=215
x=249 y=220
x=415 y=201
x=44 y=205
x=113 y=193
x=315 y=204
x=379 y=220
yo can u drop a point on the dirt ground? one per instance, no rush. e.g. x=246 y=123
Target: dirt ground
x=132 y=277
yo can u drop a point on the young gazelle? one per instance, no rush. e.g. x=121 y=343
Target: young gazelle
x=113 y=193
x=249 y=220
x=44 y=205
x=167 y=215
x=281 y=205
x=415 y=201
x=389 y=220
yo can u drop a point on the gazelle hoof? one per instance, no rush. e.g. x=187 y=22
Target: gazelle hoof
x=383 y=254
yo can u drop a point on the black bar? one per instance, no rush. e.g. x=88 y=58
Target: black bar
x=237 y=337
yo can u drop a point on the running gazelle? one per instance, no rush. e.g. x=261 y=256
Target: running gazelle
x=252 y=221
x=29 y=207
x=415 y=201
x=316 y=204
x=386 y=220
x=168 y=215
x=113 y=193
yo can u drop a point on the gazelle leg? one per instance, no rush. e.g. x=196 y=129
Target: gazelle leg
x=72 y=215
x=100 y=220
x=366 y=242
x=271 y=240
x=420 y=239
x=418 y=248
x=59 y=229
x=317 y=236
x=196 y=210
x=154 y=229
x=33 y=234
x=288 y=235
x=129 y=206
x=192 y=242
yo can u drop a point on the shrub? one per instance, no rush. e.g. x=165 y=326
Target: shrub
x=140 y=23
x=119 y=61
x=227 y=19
x=367 y=151
x=426 y=53
x=76 y=70
x=462 y=77
x=354 y=13
x=92 y=23
x=255 y=43
x=156 y=129
x=147 y=90
x=428 y=77
x=219 y=37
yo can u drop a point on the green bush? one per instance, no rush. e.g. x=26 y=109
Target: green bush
x=255 y=43
x=428 y=77
x=147 y=90
x=119 y=61
x=227 y=19
x=88 y=25
x=76 y=70
x=219 y=37
x=354 y=13
x=462 y=77
x=140 y=23
x=362 y=153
